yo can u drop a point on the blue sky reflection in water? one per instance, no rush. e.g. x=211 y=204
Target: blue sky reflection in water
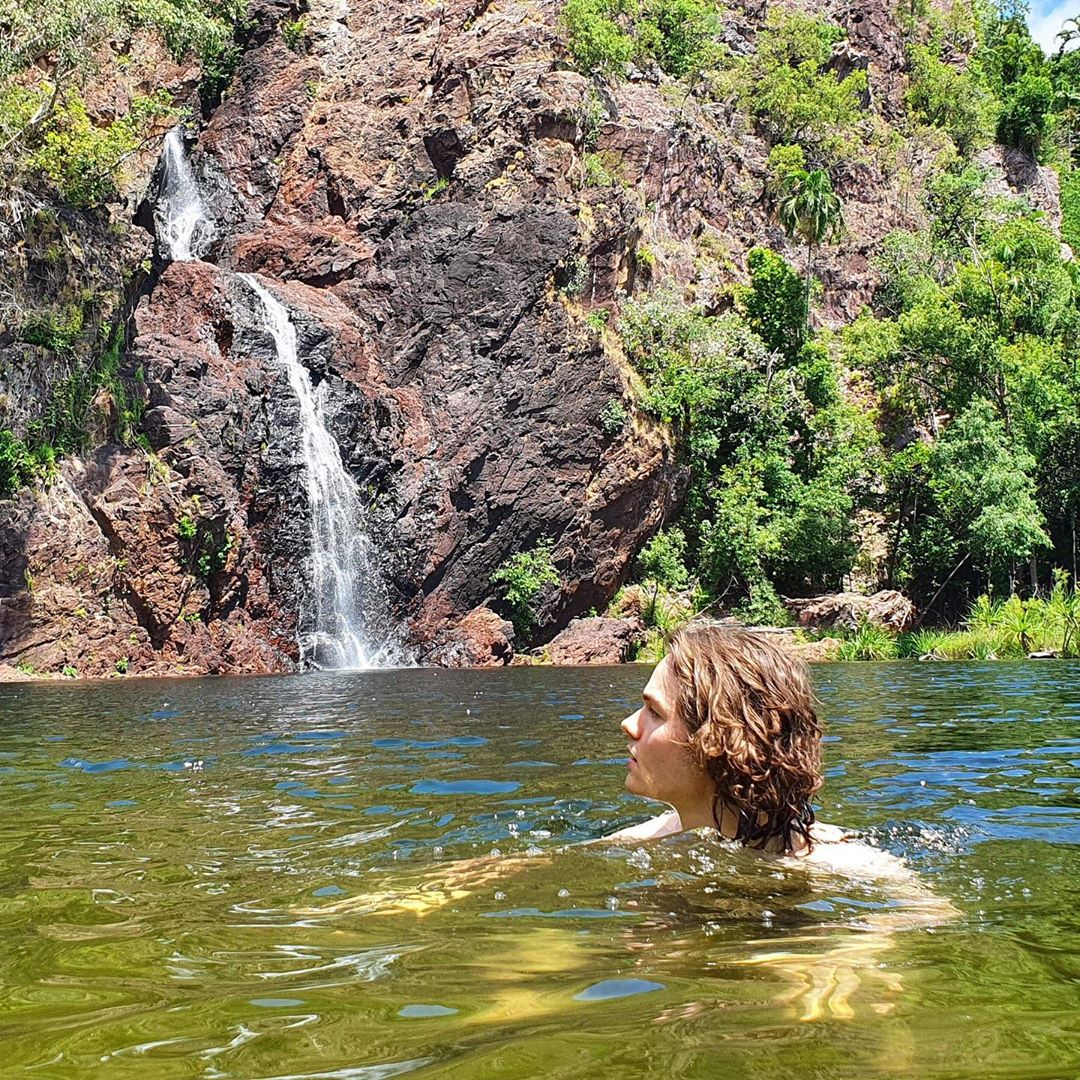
x=262 y=878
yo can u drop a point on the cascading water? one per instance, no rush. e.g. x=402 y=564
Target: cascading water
x=347 y=623
x=183 y=222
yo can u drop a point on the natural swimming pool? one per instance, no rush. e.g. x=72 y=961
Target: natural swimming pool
x=247 y=878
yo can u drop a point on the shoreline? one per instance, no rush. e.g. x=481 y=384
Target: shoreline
x=808 y=650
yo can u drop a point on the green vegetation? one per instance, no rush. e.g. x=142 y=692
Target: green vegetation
x=774 y=451
x=1004 y=629
x=293 y=33
x=598 y=319
x=572 y=276
x=1007 y=90
x=204 y=544
x=945 y=421
x=186 y=528
x=521 y=579
x=790 y=89
x=613 y=418
x=602 y=169
x=943 y=96
x=21 y=465
x=603 y=36
x=981 y=328
x=63 y=428
x=85 y=161
x=52 y=50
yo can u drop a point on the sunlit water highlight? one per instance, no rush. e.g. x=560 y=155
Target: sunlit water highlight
x=262 y=878
x=345 y=621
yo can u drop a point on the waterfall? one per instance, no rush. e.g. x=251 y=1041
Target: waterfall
x=184 y=225
x=346 y=622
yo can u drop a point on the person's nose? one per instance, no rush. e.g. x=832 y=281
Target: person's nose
x=630 y=725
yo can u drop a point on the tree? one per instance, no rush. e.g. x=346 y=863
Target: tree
x=597 y=42
x=1027 y=113
x=940 y=95
x=775 y=302
x=1067 y=35
x=810 y=209
x=985 y=492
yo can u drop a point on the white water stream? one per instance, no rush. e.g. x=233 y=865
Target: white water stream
x=183 y=222
x=347 y=623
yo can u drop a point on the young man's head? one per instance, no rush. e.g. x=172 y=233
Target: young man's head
x=728 y=735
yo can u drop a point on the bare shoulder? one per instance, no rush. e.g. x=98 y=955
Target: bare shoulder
x=836 y=849
x=664 y=825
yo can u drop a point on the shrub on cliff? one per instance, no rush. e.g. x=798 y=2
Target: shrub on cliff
x=792 y=92
x=603 y=36
x=84 y=160
x=774 y=304
x=597 y=42
x=51 y=50
x=941 y=95
x=21 y=465
x=1027 y=114
x=521 y=579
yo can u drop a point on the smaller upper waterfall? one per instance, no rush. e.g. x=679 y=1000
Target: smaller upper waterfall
x=184 y=225
x=346 y=621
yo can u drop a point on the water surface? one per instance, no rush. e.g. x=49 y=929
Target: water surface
x=264 y=878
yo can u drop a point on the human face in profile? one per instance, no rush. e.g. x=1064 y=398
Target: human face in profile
x=661 y=764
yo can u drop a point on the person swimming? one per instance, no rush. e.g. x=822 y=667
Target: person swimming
x=728 y=735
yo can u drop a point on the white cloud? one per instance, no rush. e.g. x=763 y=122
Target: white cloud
x=1045 y=24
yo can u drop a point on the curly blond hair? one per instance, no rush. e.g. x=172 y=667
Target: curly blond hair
x=748 y=706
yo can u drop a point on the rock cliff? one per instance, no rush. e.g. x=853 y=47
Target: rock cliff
x=412 y=186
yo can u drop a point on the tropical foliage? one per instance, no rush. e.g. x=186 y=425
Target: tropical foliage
x=51 y=50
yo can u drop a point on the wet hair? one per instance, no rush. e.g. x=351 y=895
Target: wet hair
x=748 y=706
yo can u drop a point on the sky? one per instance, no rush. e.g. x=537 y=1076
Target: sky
x=1046 y=17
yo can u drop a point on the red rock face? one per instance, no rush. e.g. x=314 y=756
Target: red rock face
x=596 y=641
x=414 y=188
x=418 y=174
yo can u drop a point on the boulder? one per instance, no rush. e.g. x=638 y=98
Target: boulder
x=596 y=640
x=817 y=652
x=888 y=608
x=481 y=639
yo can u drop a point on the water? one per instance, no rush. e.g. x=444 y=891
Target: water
x=263 y=878
x=184 y=224
x=345 y=622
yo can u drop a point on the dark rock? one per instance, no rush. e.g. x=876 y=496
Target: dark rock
x=596 y=640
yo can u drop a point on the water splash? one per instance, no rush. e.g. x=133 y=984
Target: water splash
x=346 y=623
x=184 y=224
